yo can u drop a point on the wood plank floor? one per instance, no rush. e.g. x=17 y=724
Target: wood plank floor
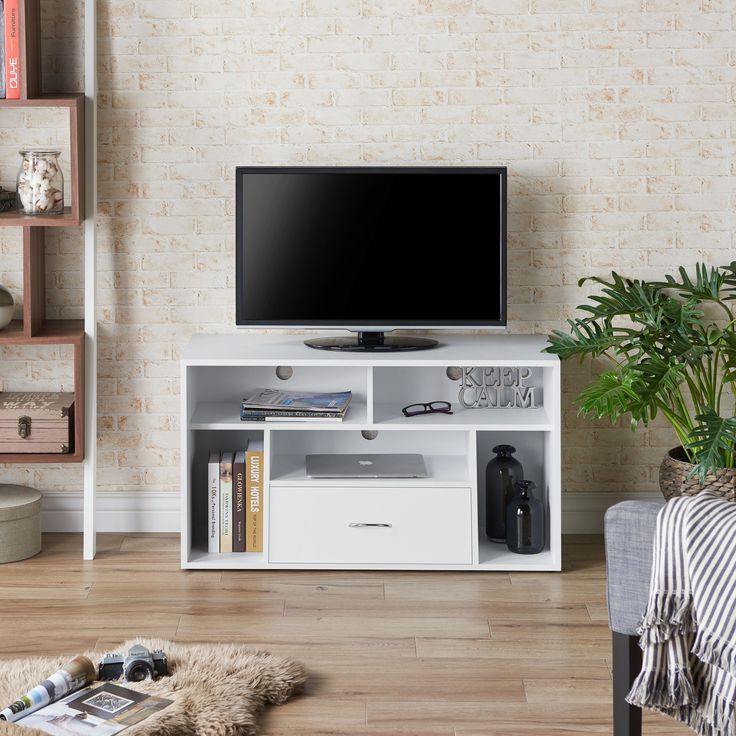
x=389 y=654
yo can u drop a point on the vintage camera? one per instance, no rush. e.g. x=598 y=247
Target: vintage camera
x=138 y=664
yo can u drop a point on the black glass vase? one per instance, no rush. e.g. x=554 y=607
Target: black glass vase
x=501 y=474
x=525 y=520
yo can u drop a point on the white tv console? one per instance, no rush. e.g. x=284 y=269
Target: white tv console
x=434 y=523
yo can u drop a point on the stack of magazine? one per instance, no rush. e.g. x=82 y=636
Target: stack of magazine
x=273 y=405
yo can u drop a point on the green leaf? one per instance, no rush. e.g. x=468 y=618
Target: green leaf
x=623 y=297
x=712 y=443
x=684 y=315
x=706 y=286
x=611 y=395
x=729 y=273
x=657 y=379
x=586 y=338
x=681 y=348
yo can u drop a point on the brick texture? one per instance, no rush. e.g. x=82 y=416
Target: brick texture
x=617 y=121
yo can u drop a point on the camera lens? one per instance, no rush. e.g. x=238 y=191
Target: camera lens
x=138 y=671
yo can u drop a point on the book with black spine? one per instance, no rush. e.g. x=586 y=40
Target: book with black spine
x=239 y=502
x=255 y=415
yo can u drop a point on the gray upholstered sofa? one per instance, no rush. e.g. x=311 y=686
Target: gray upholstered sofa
x=629 y=530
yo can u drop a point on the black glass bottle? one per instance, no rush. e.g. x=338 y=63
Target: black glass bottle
x=525 y=520
x=501 y=474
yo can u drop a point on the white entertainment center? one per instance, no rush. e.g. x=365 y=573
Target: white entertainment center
x=433 y=523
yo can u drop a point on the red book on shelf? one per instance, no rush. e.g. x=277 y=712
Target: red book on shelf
x=12 y=50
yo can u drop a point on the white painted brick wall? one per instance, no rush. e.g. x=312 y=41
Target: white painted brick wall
x=617 y=119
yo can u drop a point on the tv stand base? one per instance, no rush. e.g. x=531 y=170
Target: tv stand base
x=372 y=342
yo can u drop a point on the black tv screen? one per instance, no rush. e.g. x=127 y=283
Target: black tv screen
x=371 y=247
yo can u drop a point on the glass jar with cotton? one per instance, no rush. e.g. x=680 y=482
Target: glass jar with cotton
x=40 y=184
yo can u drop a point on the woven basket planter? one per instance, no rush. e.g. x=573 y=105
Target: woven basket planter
x=674 y=481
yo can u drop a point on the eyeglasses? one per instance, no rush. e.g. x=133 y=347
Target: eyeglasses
x=433 y=407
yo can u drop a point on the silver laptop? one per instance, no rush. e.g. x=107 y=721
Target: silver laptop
x=397 y=465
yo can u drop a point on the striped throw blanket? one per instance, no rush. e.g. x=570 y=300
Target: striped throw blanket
x=688 y=634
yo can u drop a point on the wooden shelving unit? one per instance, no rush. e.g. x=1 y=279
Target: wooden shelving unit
x=35 y=328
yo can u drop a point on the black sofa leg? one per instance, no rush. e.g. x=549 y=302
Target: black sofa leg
x=626 y=666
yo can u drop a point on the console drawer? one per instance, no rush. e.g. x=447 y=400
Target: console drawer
x=370 y=525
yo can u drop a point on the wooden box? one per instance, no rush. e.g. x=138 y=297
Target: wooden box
x=36 y=422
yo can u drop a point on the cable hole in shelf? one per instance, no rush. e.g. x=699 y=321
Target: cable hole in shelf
x=284 y=372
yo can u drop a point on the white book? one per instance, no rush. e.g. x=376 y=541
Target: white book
x=226 y=501
x=213 y=503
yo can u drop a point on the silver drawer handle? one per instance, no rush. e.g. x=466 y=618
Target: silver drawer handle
x=358 y=525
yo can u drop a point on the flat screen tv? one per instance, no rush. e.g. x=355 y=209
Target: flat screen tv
x=371 y=250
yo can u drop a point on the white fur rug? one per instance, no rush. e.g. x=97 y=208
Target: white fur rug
x=217 y=689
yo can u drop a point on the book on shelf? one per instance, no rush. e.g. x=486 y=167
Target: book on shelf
x=239 y=502
x=101 y=710
x=254 y=474
x=213 y=502
x=2 y=49
x=271 y=405
x=11 y=56
x=226 y=501
x=235 y=499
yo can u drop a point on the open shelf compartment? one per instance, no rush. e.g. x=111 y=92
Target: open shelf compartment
x=220 y=390
x=74 y=184
x=395 y=387
x=535 y=453
x=200 y=444
x=74 y=337
x=445 y=456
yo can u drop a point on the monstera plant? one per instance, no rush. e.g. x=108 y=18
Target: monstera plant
x=671 y=348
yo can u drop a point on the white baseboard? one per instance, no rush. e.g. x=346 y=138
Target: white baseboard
x=582 y=513
x=158 y=511
x=116 y=511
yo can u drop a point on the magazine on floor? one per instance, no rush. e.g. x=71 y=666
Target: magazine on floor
x=102 y=710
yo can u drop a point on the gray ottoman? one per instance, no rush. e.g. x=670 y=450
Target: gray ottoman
x=20 y=523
